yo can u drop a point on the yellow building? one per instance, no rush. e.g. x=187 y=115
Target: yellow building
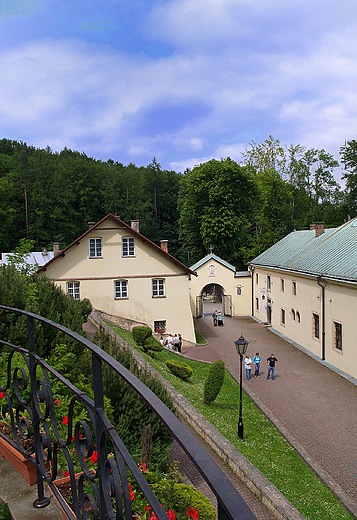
x=220 y=282
x=126 y=275
x=305 y=286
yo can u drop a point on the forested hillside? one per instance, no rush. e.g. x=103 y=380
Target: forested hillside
x=238 y=209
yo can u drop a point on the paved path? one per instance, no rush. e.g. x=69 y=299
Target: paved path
x=315 y=404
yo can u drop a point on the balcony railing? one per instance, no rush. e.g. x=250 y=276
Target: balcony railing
x=32 y=409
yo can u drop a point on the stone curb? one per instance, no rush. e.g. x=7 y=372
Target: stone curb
x=270 y=496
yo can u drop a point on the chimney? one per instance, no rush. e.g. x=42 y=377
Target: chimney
x=319 y=228
x=135 y=225
x=164 y=244
x=90 y=225
x=56 y=248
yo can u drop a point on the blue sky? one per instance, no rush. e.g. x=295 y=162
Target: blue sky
x=182 y=80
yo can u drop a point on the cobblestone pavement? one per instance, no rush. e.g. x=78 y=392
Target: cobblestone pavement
x=315 y=404
x=189 y=470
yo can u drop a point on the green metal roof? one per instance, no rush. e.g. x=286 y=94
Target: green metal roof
x=333 y=254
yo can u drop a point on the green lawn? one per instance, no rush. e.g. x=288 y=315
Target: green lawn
x=263 y=446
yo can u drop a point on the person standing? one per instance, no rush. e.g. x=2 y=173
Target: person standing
x=180 y=342
x=220 y=319
x=169 y=342
x=176 y=342
x=257 y=360
x=272 y=362
x=248 y=366
x=214 y=316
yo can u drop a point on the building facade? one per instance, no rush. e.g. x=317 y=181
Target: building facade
x=305 y=287
x=126 y=275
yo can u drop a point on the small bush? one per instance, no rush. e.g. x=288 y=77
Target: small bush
x=179 y=369
x=151 y=343
x=140 y=334
x=214 y=381
x=185 y=497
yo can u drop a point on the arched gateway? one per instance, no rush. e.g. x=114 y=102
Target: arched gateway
x=219 y=286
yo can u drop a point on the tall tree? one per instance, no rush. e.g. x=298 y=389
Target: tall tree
x=348 y=154
x=216 y=202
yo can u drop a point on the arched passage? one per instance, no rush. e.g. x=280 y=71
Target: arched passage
x=212 y=297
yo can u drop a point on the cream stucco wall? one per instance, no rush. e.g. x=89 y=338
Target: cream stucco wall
x=223 y=276
x=97 y=277
x=340 y=307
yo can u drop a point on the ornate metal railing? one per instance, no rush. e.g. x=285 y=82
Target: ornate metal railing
x=110 y=496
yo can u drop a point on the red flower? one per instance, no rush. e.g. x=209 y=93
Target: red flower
x=94 y=457
x=171 y=514
x=2 y=395
x=193 y=513
x=57 y=401
x=65 y=473
x=131 y=492
x=65 y=420
x=142 y=467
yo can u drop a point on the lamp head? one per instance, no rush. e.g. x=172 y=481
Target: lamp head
x=241 y=345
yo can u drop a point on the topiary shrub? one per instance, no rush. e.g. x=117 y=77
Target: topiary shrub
x=179 y=369
x=140 y=333
x=151 y=343
x=186 y=497
x=214 y=381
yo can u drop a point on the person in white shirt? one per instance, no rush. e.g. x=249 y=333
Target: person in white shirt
x=248 y=366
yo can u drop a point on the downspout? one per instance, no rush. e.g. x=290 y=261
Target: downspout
x=251 y=269
x=323 y=316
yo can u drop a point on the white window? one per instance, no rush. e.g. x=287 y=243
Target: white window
x=128 y=246
x=158 y=287
x=160 y=327
x=338 y=335
x=95 y=248
x=239 y=290
x=121 y=289
x=268 y=282
x=73 y=290
x=282 y=316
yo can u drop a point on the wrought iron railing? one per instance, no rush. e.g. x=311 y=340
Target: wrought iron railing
x=34 y=411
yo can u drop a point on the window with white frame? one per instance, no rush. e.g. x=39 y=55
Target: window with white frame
x=128 y=246
x=282 y=316
x=120 y=289
x=95 y=248
x=316 y=325
x=160 y=327
x=73 y=290
x=337 y=335
x=294 y=288
x=158 y=287
x=239 y=290
x=268 y=282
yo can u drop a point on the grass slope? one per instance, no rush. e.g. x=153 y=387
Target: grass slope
x=263 y=446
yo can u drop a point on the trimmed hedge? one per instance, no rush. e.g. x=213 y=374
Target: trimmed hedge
x=185 y=497
x=140 y=334
x=179 y=369
x=151 y=343
x=214 y=381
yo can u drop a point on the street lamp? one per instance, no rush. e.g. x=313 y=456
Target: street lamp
x=241 y=346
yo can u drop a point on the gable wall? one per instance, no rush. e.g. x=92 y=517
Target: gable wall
x=97 y=277
x=241 y=305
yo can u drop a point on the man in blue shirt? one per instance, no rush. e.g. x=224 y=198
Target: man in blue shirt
x=257 y=360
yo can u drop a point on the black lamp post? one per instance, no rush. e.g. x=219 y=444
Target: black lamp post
x=241 y=346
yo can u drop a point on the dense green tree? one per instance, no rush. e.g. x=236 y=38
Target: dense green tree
x=216 y=202
x=348 y=154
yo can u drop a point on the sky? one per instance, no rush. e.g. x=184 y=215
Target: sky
x=183 y=81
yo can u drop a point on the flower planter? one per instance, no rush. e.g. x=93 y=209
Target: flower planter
x=58 y=483
x=25 y=467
